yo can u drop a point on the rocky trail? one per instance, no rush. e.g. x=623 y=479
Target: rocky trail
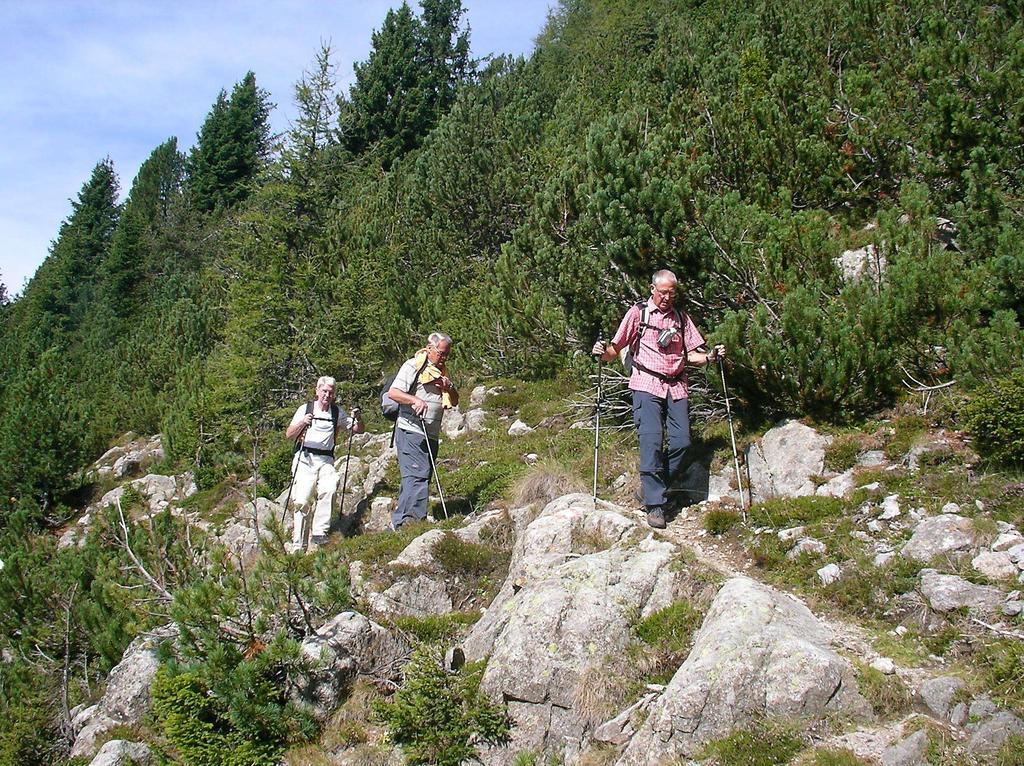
x=559 y=640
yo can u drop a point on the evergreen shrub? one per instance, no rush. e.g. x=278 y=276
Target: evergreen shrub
x=226 y=712
x=440 y=718
x=995 y=418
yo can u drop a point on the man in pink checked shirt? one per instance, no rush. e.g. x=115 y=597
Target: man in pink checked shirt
x=663 y=341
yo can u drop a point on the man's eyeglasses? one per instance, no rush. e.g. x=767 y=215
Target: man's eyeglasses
x=440 y=354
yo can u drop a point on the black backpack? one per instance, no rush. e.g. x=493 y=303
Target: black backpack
x=335 y=415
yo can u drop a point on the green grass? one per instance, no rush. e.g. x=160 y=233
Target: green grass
x=460 y=557
x=437 y=629
x=906 y=430
x=831 y=757
x=764 y=743
x=377 y=548
x=888 y=695
x=792 y=511
x=842 y=453
x=671 y=628
x=718 y=522
x=1001 y=664
x=663 y=642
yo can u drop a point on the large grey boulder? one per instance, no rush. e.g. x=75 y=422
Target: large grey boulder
x=995 y=565
x=347 y=645
x=863 y=263
x=945 y=592
x=126 y=700
x=785 y=460
x=938 y=694
x=579 y=578
x=120 y=752
x=420 y=597
x=758 y=653
x=936 y=535
x=911 y=751
x=989 y=735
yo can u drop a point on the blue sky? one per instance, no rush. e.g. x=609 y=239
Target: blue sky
x=83 y=80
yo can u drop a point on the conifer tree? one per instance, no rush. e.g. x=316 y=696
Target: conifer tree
x=122 y=274
x=65 y=281
x=231 y=147
x=409 y=80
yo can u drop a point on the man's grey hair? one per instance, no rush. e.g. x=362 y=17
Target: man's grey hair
x=325 y=380
x=438 y=337
x=664 y=275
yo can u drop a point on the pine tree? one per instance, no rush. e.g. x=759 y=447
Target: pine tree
x=409 y=81
x=64 y=283
x=231 y=147
x=124 y=272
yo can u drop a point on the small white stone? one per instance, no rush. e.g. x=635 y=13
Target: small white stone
x=1007 y=540
x=1013 y=608
x=807 y=545
x=950 y=508
x=884 y=665
x=531 y=458
x=884 y=558
x=519 y=428
x=785 y=535
x=829 y=574
x=875 y=526
x=979 y=505
x=901 y=630
x=871 y=487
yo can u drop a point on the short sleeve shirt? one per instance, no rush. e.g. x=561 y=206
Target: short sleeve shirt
x=670 y=361
x=431 y=393
x=320 y=434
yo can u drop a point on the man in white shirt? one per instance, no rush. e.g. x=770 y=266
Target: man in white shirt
x=315 y=428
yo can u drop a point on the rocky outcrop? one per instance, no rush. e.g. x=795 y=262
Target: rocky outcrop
x=420 y=597
x=580 y=576
x=126 y=700
x=346 y=646
x=785 y=460
x=120 y=752
x=130 y=458
x=863 y=263
x=758 y=653
x=945 y=593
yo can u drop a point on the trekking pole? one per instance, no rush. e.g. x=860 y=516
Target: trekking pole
x=348 y=456
x=295 y=470
x=597 y=417
x=433 y=467
x=732 y=436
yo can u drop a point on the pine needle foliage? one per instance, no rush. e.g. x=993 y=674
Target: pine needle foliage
x=438 y=717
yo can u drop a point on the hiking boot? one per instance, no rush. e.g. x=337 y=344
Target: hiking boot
x=317 y=541
x=656 y=517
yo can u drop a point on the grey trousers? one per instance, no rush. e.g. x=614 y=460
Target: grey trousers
x=414 y=466
x=661 y=466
